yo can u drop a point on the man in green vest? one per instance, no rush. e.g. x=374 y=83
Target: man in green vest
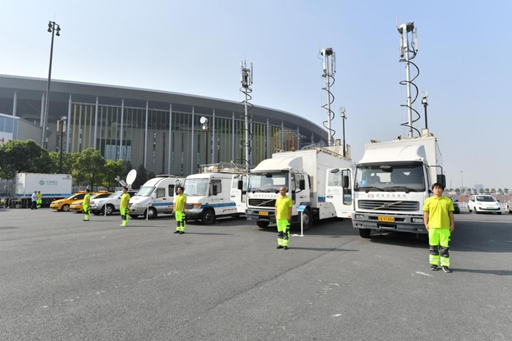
x=39 y=201
x=123 y=207
x=87 y=201
x=283 y=214
x=180 y=202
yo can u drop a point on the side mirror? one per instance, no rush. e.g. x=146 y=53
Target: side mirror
x=302 y=184
x=215 y=190
x=345 y=182
x=240 y=184
x=441 y=178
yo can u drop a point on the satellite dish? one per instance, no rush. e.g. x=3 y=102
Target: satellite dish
x=203 y=120
x=130 y=178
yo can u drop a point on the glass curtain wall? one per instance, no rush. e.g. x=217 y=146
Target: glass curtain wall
x=185 y=155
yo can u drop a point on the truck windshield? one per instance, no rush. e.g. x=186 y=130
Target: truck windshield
x=390 y=178
x=145 y=191
x=267 y=182
x=196 y=187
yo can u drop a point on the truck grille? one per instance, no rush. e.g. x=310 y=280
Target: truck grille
x=397 y=205
x=262 y=202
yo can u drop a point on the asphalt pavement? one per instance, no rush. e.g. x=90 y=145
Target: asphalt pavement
x=66 y=279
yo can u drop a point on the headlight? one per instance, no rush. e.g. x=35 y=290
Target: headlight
x=417 y=220
x=359 y=216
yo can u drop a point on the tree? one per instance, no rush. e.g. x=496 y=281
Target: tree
x=481 y=191
x=24 y=156
x=505 y=190
x=89 y=167
x=113 y=169
x=457 y=191
x=500 y=191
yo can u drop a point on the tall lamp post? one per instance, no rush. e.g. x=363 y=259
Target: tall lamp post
x=343 y=117
x=52 y=27
x=204 y=121
x=61 y=130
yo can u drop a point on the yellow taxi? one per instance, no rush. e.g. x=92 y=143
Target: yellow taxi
x=64 y=204
x=78 y=205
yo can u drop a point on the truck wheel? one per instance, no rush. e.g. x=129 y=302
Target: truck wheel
x=208 y=217
x=365 y=233
x=110 y=209
x=306 y=216
x=262 y=224
x=65 y=208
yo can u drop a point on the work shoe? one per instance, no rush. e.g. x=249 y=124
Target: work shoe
x=182 y=232
x=286 y=247
x=176 y=231
x=279 y=247
x=447 y=270
x=434 y=267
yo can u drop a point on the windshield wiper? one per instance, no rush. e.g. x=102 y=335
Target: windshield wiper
x=368 y=188
x=407 y=189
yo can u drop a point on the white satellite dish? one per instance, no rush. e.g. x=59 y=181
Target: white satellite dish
x=130 y=178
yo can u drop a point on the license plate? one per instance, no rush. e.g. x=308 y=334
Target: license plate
x=386 y=219
x=263 y=213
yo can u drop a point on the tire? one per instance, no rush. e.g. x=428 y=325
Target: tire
x=152 y=213
x=133 y=216
x=365 y=233
x=208 y=217
x=65 y=208
x=499 y=212
x=263 y=224
x=110 y=209
x=308 y=222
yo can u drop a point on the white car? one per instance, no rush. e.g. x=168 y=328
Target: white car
x=484 y=203
x=509 y=207
x=111 y=203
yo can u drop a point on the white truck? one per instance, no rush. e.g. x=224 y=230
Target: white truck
x=155 y=197
x=318 y=182
x=211 y=195
x=392 y=182
x=51 y=186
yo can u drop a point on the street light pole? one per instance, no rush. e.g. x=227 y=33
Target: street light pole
x=61 y=130
x=204 y=121
x=343 y=117
x=52 y=27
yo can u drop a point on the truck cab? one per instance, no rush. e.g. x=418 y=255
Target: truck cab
x=392 y=182
x=155 y=197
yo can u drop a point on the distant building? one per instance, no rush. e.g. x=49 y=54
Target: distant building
x=160 y=130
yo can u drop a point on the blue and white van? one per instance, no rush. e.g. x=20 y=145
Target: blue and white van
x=155 y=197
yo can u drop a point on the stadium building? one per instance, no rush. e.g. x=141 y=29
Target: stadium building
x=160 y=130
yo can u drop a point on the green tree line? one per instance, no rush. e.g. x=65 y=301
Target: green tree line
x=88 y=168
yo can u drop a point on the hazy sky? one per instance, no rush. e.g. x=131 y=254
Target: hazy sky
x=195 y=47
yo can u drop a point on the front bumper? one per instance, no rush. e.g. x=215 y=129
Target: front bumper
x=401 y=223
x=260 y=215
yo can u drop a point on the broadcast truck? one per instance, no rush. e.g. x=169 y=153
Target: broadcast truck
x=51 y=186
x=318 y=181
x=210 y=194
x=392 y=182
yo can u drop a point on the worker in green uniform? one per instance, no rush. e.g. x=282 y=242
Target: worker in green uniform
x=39 y=201
x=438 y=219
x=180 y=202
x=283 y=212
x=123 y=207
x=87 y=201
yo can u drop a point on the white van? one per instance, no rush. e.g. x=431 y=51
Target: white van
x=156 y=196
x=209 y=195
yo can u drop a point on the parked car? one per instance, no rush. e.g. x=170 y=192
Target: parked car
x=484 y=203
x=110 y=203
x=456 y=208
x=78 y=205
x=64 y=204
x=509 y=207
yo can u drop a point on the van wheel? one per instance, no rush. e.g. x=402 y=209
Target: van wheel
x=152 y=213
x=208 y=217
x=365 y=233
x=262 y=224
x=134 y=216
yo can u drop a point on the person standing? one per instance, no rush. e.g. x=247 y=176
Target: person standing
x=123 y=207
x=283 y=212
x=87 y=200
x=180 y=202
x=438 y=219
x=34 y=201
x=39 y=199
